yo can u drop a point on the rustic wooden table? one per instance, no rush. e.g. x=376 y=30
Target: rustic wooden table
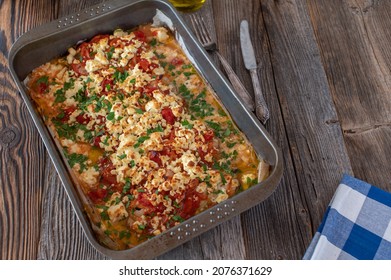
x=325 y=70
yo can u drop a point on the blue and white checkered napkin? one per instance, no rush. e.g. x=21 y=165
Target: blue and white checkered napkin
x=357 y=224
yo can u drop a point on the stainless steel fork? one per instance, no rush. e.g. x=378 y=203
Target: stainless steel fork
x=209 y=44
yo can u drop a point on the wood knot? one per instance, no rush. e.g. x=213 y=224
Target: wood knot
x=9 y=137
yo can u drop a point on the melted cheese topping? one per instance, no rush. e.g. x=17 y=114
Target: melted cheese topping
x=145 y=138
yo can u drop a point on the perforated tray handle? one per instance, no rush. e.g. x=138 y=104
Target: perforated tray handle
x=68 y=21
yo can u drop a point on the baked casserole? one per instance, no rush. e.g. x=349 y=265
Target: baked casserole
x=147 y=141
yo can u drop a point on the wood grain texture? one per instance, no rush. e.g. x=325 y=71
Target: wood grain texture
x=61 y=234
x=354 y=39
x=325 y=72
x=22 y=154
x=303 y=122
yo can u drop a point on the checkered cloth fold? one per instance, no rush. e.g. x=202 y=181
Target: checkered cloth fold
x=356 y=225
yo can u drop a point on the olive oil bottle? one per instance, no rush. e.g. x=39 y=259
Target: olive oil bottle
x=187 y=6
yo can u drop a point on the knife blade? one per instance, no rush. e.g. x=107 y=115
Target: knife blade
x=250 y=62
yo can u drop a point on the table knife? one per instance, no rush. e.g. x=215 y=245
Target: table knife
x=261 y=109
x=237 y=84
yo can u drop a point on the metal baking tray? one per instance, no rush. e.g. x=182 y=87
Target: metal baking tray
x=51 y=40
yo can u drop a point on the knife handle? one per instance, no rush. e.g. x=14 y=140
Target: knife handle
x=261 y=109
x=236 y=83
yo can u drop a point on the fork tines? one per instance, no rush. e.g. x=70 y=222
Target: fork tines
x=202 y=32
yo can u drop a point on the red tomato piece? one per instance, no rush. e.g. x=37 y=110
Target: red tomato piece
x=100 y=120
x=115 y=42
x=107 y=178
x=133 y=61
x=140 y=35
x=154 y=156
x=160 y=208
x=85 y=51
x=171 y=136
x=83 y=119
x=107 y=85
x=42 y=87
x=97 y=195
x=144 y=201
x=153 y=66
x=97 y=38
x=148 y=89
x=168 y=151
x=79 y=68
x=210 y=150
x=144 y=64
x=177 y=61
x=67 y=112
x=168 y=115
x=201 y=153
x=209 y=135
x=96 y=141
x=191 y=201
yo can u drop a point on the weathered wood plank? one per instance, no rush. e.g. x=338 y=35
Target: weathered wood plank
x=350 y=38
x=22 y=156
x=303 y=123
x=61 y=234
x=354 y=38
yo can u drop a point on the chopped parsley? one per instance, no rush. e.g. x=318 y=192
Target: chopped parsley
x=59 y=96
x=105 y=216
x=120 y=76
x=80 y=96
x=42 y=80
x=231 y=145
x=69 y=85
x=223 y=178
x=177 y=218
x=188 y=74
x=153 y=42
x=140 y=140
x=102 y=103
x=187 y=66
x=127 y=185
x=124 y=234
x=219 y=192
x=110 y=53
x=74 y=159
x=186 y=124
x=139 y=111
x=122 y=156
x=65 y=130
x=159 y=128
x=220 y=131
x=199 y=107
x=159 y=55
x=251 y=182
x=110 y=116
x=117 y=200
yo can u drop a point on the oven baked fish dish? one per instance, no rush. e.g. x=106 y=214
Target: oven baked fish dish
x=147 y=142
